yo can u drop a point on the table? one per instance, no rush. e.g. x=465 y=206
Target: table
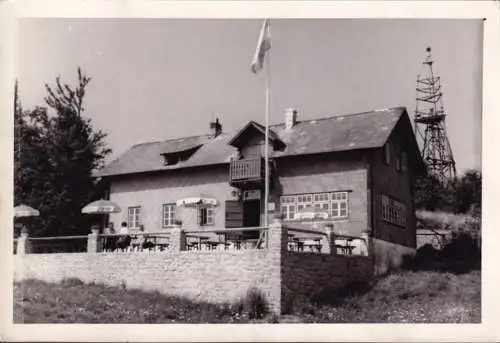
x=346 y=249
x=196 y=245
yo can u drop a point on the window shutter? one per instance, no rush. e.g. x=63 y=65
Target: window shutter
x=234 y=213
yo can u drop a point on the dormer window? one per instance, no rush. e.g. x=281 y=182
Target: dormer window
x=170 y=160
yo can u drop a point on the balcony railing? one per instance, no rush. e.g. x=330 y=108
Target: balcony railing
x=246 y=169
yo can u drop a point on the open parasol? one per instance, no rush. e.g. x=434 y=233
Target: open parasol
x=101 y=207
x=25 y=211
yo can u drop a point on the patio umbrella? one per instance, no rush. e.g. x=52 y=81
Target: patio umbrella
x=25 y=211
x=312 y=213
x=101 y=207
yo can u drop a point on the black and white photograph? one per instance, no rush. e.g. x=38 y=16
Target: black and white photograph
x=261 y=170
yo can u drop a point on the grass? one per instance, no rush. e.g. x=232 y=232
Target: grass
x=397 y=298
x=72 y=301
x=404 y=297
x=449 y=221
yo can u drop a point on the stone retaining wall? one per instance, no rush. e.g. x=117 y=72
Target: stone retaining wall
x=215 y=276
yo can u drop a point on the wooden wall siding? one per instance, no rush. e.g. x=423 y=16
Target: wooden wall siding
x=396 y=184
x=253 y=146
x=329 y=173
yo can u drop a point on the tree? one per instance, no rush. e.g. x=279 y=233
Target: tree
x=468 y=193
x=432 y=195
x=461 y=195
x=58 y=156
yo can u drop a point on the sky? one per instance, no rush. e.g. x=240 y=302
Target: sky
x=156 y=79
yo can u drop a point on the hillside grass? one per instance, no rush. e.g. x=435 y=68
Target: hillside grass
x=405 y=297
x=449 y=221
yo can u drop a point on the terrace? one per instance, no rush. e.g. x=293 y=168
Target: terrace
x=217 y=265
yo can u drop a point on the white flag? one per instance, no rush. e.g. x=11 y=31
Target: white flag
x=263 y=45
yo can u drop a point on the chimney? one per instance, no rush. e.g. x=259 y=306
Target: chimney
x=290 y=118
x=215 y=128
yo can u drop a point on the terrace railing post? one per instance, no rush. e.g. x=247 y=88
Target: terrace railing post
x=368 y=241
x=177 y=240
x=23 y=243
x=277 y=236
x=277 y=251
x=329 y=244
x=93 y=241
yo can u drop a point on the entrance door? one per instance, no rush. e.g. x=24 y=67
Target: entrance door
x=251 y=213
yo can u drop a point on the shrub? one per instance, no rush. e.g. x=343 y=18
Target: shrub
x=328 y=296
x=460 y=255
x=72 y=282
x=253 y=305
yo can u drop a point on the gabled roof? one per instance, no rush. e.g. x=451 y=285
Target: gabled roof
x=334 y=134
x=239 y=136
x=339 y=133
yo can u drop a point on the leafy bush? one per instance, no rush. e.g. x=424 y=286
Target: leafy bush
x=72 y=282
x=253 y=306
x=460 y=255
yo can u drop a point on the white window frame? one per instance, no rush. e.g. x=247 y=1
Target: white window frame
x=337 y=204
x=393 y=211
x=341 y=201
x=209 y=216
x=168 y=215
x=133 y=216
x=303 y=201
x=288 y=206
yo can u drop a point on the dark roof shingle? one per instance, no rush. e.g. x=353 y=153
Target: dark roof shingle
x=338 y=133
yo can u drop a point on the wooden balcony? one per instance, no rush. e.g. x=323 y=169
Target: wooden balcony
x=247 y=173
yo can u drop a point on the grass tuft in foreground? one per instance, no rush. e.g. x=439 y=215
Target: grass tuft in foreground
x=404 y=297
x=73 y=301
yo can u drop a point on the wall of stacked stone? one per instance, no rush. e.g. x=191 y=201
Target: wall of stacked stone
x=218 y=276
x=215 y=276
x=308 y=274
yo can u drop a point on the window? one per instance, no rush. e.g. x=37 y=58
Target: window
x=404 y=161
x=303 y=201
x=133 y=218
x=387 y=153
x=393 y=211
x=168 y=215
x=206 y=216
x=339 y=205
x=322 y=202
x=335 y=204
x=288 y=207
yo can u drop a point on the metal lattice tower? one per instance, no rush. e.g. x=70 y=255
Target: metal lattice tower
x=430 y=124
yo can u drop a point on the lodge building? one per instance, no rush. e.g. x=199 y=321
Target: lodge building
x=356 y=170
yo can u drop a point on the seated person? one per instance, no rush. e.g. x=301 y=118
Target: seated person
x=123 y=241
x=142 y=241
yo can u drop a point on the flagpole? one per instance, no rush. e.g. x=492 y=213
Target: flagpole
x=266 y=146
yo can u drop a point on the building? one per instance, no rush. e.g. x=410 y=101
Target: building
x=358 y=168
